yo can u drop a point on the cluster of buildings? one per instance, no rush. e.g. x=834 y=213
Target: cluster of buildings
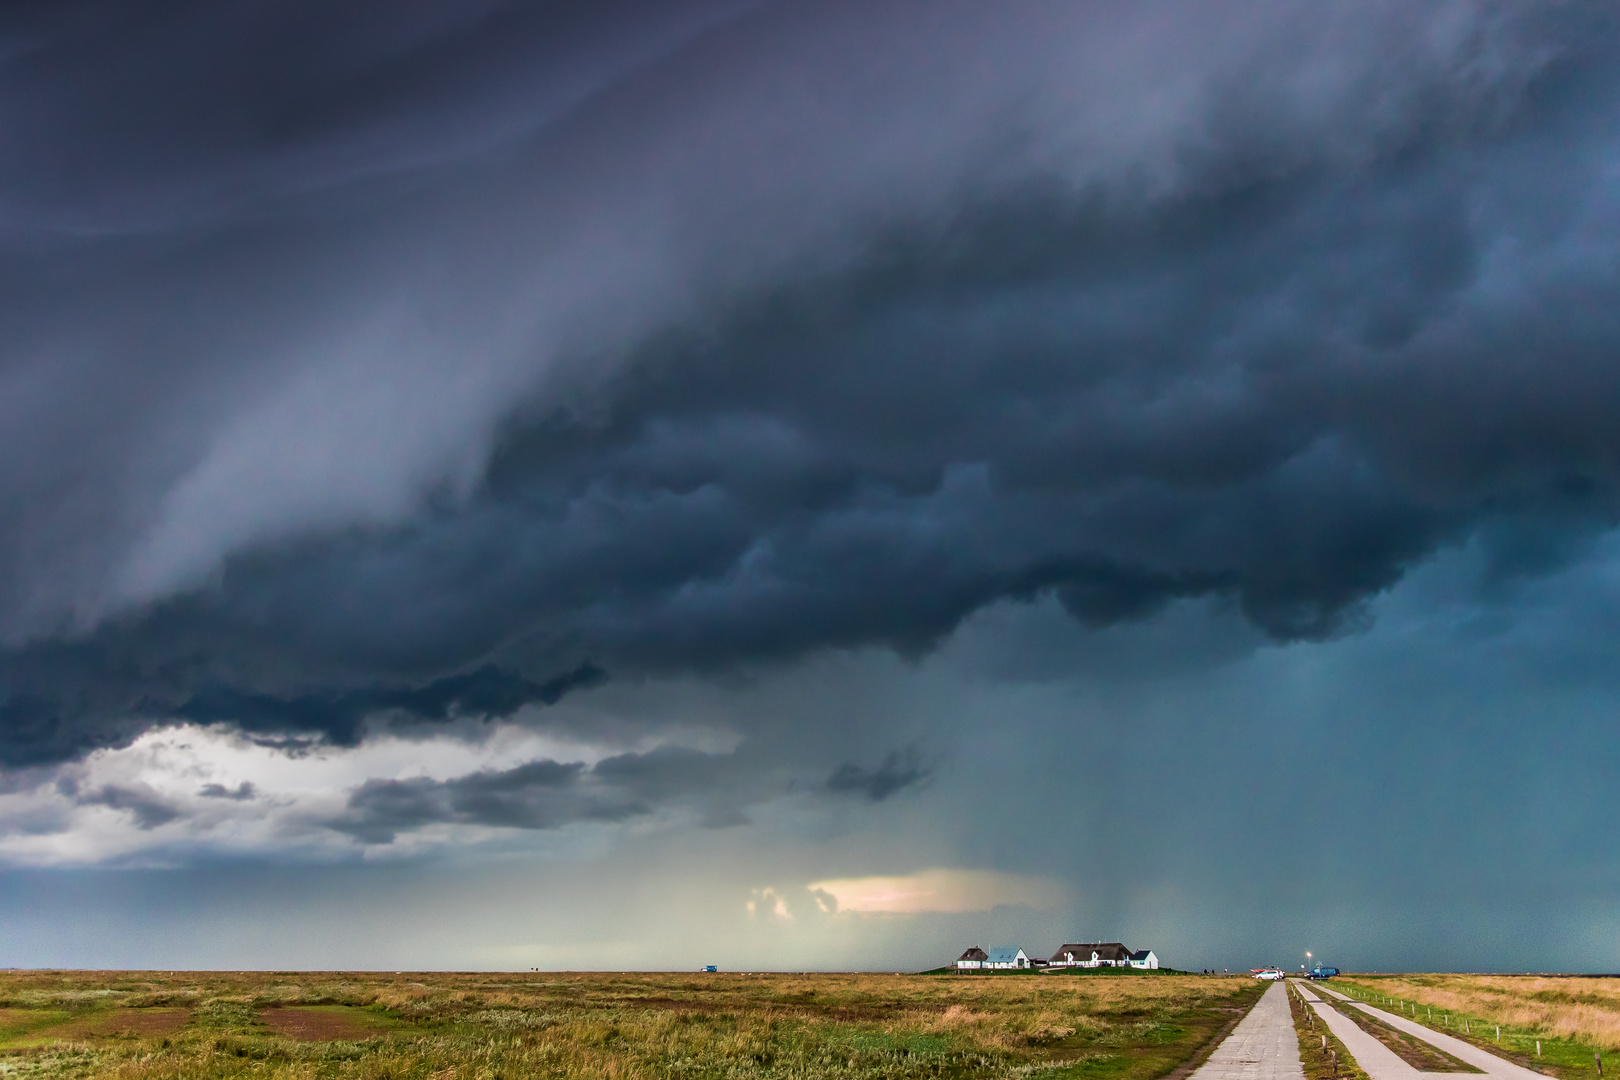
x=1087 y=955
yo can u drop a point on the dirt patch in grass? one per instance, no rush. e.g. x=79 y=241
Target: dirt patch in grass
x=325 y=1023
x=118 y=1023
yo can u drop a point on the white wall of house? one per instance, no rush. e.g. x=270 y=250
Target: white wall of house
x=1018 y=961
x=1151 y=963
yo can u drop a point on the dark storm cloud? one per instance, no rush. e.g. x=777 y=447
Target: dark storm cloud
x=146 y=807
x=107 y=707
x=486 y=694
x=134 y=118
x=242 y=792
x=896 y=772
x=827 y=326
x=536 y=795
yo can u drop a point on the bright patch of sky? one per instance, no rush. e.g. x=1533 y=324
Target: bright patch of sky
x=185 y=791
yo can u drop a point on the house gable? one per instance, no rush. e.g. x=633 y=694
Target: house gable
x=1007 y=956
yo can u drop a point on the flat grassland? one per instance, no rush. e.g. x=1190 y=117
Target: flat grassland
x=1573 y=1017
x=270 y=1026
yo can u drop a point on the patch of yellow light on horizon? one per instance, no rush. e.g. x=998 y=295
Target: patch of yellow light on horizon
x=940 y=891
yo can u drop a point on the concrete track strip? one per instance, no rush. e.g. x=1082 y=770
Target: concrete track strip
x=1262 y=1047
x=1457 y=1048
x=1376 y=1060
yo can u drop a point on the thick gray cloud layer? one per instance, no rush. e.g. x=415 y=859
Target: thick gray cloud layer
x=495 y=344
x=548 y=794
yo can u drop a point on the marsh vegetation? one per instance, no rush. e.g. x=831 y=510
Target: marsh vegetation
x=156 y=1026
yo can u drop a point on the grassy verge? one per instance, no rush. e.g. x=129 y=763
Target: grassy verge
x=290 y=1026
x=1525 y=1009
x=1316 y=1042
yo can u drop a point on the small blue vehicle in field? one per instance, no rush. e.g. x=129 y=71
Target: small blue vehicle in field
x=711 y=967
x=1319 y=972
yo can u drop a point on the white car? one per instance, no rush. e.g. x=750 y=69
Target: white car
x=1272 y=974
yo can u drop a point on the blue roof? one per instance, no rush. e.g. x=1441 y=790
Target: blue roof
x=1003 y=954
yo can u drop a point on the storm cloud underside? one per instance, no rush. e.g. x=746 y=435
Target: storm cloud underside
x=663 y=382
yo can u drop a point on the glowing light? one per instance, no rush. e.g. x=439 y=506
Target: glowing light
x=939 y=890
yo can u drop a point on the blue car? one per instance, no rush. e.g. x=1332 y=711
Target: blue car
x=1322 y=973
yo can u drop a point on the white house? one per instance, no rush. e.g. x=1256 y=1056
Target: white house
x=1093 y=954
x=972 y=960
x=1005 y=958
x=1145 y=959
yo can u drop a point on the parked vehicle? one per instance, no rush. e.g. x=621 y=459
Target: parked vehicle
x=1319 y=972
x=1273 y=974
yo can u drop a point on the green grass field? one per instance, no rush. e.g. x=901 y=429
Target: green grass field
x=676 y=1026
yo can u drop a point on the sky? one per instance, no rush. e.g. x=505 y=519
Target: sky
x=805 y=484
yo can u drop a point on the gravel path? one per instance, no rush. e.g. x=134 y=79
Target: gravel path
x=1262 y=1047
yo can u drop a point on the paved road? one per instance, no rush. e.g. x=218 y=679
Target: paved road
x=1381 y=1063
x=1261 y=1047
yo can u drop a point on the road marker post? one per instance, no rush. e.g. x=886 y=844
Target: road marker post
x=1597 y=1055
x=1538 y=1048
